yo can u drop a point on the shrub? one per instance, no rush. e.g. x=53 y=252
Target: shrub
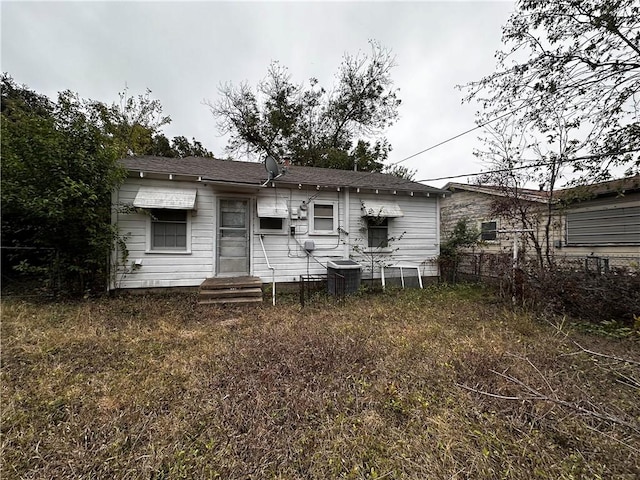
x=600 y=297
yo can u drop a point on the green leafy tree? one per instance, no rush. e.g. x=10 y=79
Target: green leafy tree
x=338 y=128
x=133 y=124
x=60 y=164
x=58 y=171
x=577 y=59
x=181 y=147
x=400 y=171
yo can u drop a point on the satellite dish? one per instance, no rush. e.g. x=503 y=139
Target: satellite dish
x=272 y=167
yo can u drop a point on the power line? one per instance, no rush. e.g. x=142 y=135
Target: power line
x=450 y=139
x=534 y=164
x=500 y=170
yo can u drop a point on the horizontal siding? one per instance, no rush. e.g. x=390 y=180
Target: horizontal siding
x=602 y=205
x=419 y=244
x=416 y=232
x=166 y=269
x=477 y=208
x=286 y=253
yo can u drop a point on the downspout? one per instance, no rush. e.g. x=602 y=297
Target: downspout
x=438 y=229
x=112 y=261
x=273 y=272
x=347 y=219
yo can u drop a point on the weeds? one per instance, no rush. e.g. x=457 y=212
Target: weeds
x=157 y=387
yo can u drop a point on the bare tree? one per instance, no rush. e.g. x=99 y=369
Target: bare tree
x=581 y=56
x=517 y=159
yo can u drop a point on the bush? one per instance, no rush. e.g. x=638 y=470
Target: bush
x=593 y=297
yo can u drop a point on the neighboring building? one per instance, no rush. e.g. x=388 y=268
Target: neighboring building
x=601 y=220
x=187 y=220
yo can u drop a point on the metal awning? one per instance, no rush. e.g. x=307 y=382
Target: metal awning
x=387 y=209
x=272 y=208
x=172 y=198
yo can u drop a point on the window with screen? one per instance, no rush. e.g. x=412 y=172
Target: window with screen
x=378 y=232
x=168 y=229
x=323 y=218
x=488 y=231
x=268 y=223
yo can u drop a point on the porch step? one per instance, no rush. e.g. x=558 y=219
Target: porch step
x=231 y=292
x=236 y=290
x=234 y=300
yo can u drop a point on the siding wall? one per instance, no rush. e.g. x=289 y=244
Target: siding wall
x=476 y=207
x=165 y=269
x=418 y=229
x=416 y=233
x=286 y=254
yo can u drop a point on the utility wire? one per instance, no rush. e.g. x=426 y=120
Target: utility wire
x=534 y=164
x=499 y=170
x=450 y=139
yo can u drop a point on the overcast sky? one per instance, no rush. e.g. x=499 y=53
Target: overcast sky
x=183 y=51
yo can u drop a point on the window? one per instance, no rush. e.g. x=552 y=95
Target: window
x=272 y=213
x=615 y=226
x=323 y=217
x=168 y=229
x=488 y=231
x=267 y=223
x=378 y=232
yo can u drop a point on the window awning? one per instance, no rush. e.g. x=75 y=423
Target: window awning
x=172 y=198
x=272 y=208
x=388 y=209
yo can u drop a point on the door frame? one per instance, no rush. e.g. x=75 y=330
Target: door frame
x=249 y=230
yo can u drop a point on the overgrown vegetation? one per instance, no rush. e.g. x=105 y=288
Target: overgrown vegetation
x=59 y=168
x=462 y=237
x=567 y=288
x=58 y=172
x=432 y=383
x=591 y=296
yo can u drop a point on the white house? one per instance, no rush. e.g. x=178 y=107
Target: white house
x=198 y=218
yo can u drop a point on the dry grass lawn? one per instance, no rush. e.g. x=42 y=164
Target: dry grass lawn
x=372 y=387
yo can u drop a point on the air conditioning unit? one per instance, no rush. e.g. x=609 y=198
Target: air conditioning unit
x=343 y=277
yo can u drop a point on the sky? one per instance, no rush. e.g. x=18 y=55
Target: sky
x=183 y=52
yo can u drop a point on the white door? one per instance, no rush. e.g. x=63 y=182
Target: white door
x=233 y=237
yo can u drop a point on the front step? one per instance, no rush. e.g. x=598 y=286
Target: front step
x=236 y=290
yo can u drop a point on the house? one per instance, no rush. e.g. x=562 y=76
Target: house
x=599 y=221
x=188 y=220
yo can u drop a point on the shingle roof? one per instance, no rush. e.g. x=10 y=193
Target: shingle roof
x=250 y=173
x=524 y=193
x=611 y=187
